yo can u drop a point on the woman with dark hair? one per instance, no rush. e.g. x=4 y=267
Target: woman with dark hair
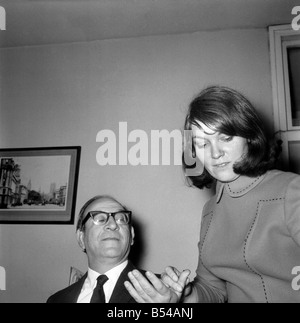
x=249 y=249
x=227 y=112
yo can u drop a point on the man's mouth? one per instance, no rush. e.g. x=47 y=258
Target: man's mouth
x=110 y=238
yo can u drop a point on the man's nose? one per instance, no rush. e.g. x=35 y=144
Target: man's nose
x=111 y=223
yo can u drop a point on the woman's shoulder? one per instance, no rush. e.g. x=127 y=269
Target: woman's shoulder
x=279 y=181
x=281 y=177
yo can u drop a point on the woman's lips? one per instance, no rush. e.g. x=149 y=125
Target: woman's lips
x=220 y=165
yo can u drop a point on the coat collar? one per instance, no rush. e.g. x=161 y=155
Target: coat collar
x=239 y=187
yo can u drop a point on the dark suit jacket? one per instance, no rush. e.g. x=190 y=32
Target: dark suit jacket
x=119 y=295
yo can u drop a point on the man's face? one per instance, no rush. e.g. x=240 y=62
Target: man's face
x=109 y=242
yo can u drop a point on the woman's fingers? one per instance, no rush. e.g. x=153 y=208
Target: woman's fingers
x=173 y=279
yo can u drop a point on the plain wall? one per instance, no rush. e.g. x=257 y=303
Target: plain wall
x=63 y=95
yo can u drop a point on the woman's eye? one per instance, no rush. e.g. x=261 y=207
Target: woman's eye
x=226 y=138
x=200 y=144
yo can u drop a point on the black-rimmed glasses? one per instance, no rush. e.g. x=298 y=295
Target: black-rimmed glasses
x=101 y=217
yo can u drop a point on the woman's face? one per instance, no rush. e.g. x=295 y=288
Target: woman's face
x=218 y=152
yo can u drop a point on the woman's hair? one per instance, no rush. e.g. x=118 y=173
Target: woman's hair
x=227 y=111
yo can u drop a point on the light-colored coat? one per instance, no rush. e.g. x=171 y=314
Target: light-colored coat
x=250 y=241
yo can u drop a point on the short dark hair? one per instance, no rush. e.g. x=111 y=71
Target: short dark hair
x=227 y=111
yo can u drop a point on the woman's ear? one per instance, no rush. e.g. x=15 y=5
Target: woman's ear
x=80 y=239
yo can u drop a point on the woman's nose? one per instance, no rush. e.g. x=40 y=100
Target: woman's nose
x=216 y=151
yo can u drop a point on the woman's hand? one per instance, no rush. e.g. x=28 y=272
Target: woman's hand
x=175 y=280
x=155 y=290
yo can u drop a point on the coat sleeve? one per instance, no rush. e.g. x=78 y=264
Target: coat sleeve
x=209 y=288
x=292 y=209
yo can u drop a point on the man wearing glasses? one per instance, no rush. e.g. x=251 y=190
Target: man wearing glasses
x=105 y=234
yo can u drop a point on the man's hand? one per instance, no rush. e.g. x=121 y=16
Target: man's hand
x=155 y=290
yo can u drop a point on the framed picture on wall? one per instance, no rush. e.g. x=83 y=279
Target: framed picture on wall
x=39 y=185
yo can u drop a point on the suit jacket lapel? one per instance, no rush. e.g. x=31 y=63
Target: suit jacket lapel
x=120 y=293
x=74 y=290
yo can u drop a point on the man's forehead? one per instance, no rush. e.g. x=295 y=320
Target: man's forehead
x=105 y=204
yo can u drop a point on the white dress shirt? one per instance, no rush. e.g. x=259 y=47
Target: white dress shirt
x=91 y=282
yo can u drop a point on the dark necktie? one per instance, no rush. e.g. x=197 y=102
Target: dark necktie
x=98 y=293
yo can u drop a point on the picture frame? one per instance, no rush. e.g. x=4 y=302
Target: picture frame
x=39 y=185
x=75 y=275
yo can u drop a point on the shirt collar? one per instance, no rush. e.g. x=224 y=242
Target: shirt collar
x=112 y=274
x=239 y=187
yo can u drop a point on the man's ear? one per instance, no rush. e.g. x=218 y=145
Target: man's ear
x=132 y=235
x=80 y=239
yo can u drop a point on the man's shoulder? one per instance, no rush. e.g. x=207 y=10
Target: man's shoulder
x=56 y=297
x=67 y=294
